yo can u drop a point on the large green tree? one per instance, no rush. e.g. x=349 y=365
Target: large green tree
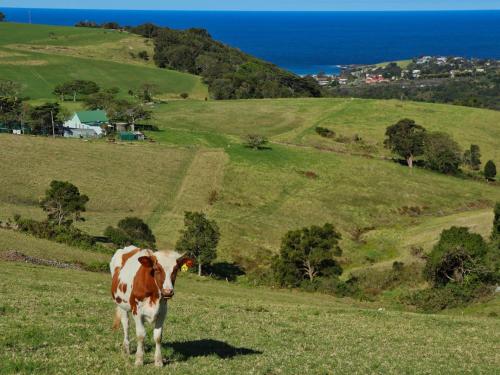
x=308 y=253
x=442 y=153
x=406 y=139
x=63 y=203
x=199 y=238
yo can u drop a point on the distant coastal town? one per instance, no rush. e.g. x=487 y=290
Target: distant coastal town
x=421 y=68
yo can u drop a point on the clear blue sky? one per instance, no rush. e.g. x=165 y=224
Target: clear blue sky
x=258 y=4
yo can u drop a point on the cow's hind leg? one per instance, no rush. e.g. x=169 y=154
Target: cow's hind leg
x=124 y=320
x=141 y=333
x=157 y=333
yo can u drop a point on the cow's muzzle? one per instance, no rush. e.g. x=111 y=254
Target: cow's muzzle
x=167 y=293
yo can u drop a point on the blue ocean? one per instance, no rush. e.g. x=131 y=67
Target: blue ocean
x=309 y=42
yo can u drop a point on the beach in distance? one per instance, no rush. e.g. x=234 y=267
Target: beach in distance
x=309 y=42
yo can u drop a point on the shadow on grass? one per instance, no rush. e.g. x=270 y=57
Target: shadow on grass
x=183 y=351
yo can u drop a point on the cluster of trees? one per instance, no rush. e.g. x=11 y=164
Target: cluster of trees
x=229 y=73
x=462 y=266
x=43 y=119
x=2 y=17
x=438 y=150
x=75 y=88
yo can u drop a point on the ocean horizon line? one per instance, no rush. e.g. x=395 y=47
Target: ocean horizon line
x=263 y=11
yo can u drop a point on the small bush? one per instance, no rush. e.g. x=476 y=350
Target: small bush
x=324 y=132
x=97 y=267
x=255 y=141
x=397 y=266
x=184 y=95
x=143 y=55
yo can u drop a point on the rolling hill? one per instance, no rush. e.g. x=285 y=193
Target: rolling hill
x=263 y=194
x=40 y=57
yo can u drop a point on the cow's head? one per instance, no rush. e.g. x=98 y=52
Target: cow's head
x=164 y=266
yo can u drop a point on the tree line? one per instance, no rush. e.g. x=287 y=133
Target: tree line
x=48 y=118
x=438 y=150
x=228 y=72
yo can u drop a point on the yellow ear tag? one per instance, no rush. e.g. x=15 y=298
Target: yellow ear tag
x=184 y=268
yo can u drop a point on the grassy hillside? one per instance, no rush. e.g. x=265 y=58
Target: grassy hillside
x=261 y=194
x=215 y=328
x=41 y=57
x=294 y=120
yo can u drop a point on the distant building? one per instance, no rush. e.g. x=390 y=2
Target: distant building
x=416 y=73
x=90 y=120
x=378 y=78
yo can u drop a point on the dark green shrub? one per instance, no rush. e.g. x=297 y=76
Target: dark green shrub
x=459 y=254
x=143 y=55
x=324 y=132
x=68 y=235
x=490 y=170
x=449 y=296
x=131 y=231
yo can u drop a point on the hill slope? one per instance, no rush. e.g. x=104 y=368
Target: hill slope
x=262 y=194
x=40 y=57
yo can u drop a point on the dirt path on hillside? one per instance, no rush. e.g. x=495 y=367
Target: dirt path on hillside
x=204 y=174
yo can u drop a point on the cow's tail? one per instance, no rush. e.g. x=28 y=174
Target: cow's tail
x=117 y=320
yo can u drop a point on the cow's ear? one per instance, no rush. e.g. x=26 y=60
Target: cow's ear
x=146 y=261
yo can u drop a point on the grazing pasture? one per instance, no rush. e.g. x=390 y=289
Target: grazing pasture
x=260 y=194
x=58 y=321
x=294 y=120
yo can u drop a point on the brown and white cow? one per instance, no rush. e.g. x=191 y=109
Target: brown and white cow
x=143 y=281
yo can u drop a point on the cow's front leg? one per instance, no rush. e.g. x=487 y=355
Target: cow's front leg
x=141 y=333
x=157 y=333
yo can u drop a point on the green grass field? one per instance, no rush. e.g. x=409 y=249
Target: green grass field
x=40 y=57
x=294 y=120
x=62 y=324
x=261 y=194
